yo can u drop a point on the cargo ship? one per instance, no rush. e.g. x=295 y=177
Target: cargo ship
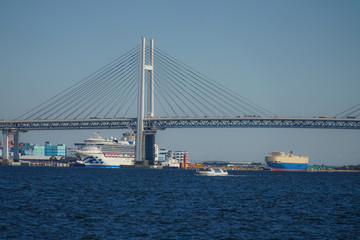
x=99 y=152
x=279 y=161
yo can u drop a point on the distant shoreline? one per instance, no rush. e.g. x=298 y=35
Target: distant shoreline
x=42 y=163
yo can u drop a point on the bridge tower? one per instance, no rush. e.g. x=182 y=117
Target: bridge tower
x=145 y=138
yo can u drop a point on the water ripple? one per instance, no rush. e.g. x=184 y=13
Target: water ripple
x=81 y=203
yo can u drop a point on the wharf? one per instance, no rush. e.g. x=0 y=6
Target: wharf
x=35 y=163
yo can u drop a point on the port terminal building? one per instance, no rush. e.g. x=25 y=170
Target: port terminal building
x=29 y=149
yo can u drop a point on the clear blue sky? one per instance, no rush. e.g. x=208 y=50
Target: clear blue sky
x=294 y=58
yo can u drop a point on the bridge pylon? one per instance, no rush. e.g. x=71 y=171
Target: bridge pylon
x=140 y=135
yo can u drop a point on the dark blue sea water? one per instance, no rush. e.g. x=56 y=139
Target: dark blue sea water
x=87 y=203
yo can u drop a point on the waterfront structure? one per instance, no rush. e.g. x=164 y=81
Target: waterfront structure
x=178 y=155
x=29 y=149
x=162 y=154
x=58 y=150
x=38 y=150
x=175 y=157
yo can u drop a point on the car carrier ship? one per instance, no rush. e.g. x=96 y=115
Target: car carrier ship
x=279 y=161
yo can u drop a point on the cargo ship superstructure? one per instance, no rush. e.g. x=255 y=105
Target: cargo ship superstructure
x=99 y=152
x=279 y=161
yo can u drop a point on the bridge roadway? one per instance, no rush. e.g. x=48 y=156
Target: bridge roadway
x=183 y=122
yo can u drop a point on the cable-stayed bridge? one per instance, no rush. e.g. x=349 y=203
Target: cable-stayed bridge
x=176 y=96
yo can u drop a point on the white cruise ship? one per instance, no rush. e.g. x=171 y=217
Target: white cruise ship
x=99 y=152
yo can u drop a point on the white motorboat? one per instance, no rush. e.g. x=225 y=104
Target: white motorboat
x=212 y=172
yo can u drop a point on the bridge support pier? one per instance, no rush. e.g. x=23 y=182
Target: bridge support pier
x=16 y=146
x=150 y=146
x=5 y=144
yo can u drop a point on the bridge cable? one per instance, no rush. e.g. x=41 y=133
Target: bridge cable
x=109 y=90
x=162 y=89
x=160 y=80
x=204 y=93
x=50 y=103
x=214 y=100
x=103 y=84
x=194 y=83
x=348 y=113
x=209 y=82
x=176 y=83
x=72 y=97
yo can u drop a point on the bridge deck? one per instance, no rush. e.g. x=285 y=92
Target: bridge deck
x=184 y=122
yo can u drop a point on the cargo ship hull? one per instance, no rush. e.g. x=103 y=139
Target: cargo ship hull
x=287 y=167
x=101 y=160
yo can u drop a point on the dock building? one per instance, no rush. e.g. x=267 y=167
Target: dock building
x=165 y=154
x=29 y=149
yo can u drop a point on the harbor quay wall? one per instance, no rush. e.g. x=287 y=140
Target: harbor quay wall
x=35 y=163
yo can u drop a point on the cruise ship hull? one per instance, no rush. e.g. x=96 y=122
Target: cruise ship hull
x=101 y=160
